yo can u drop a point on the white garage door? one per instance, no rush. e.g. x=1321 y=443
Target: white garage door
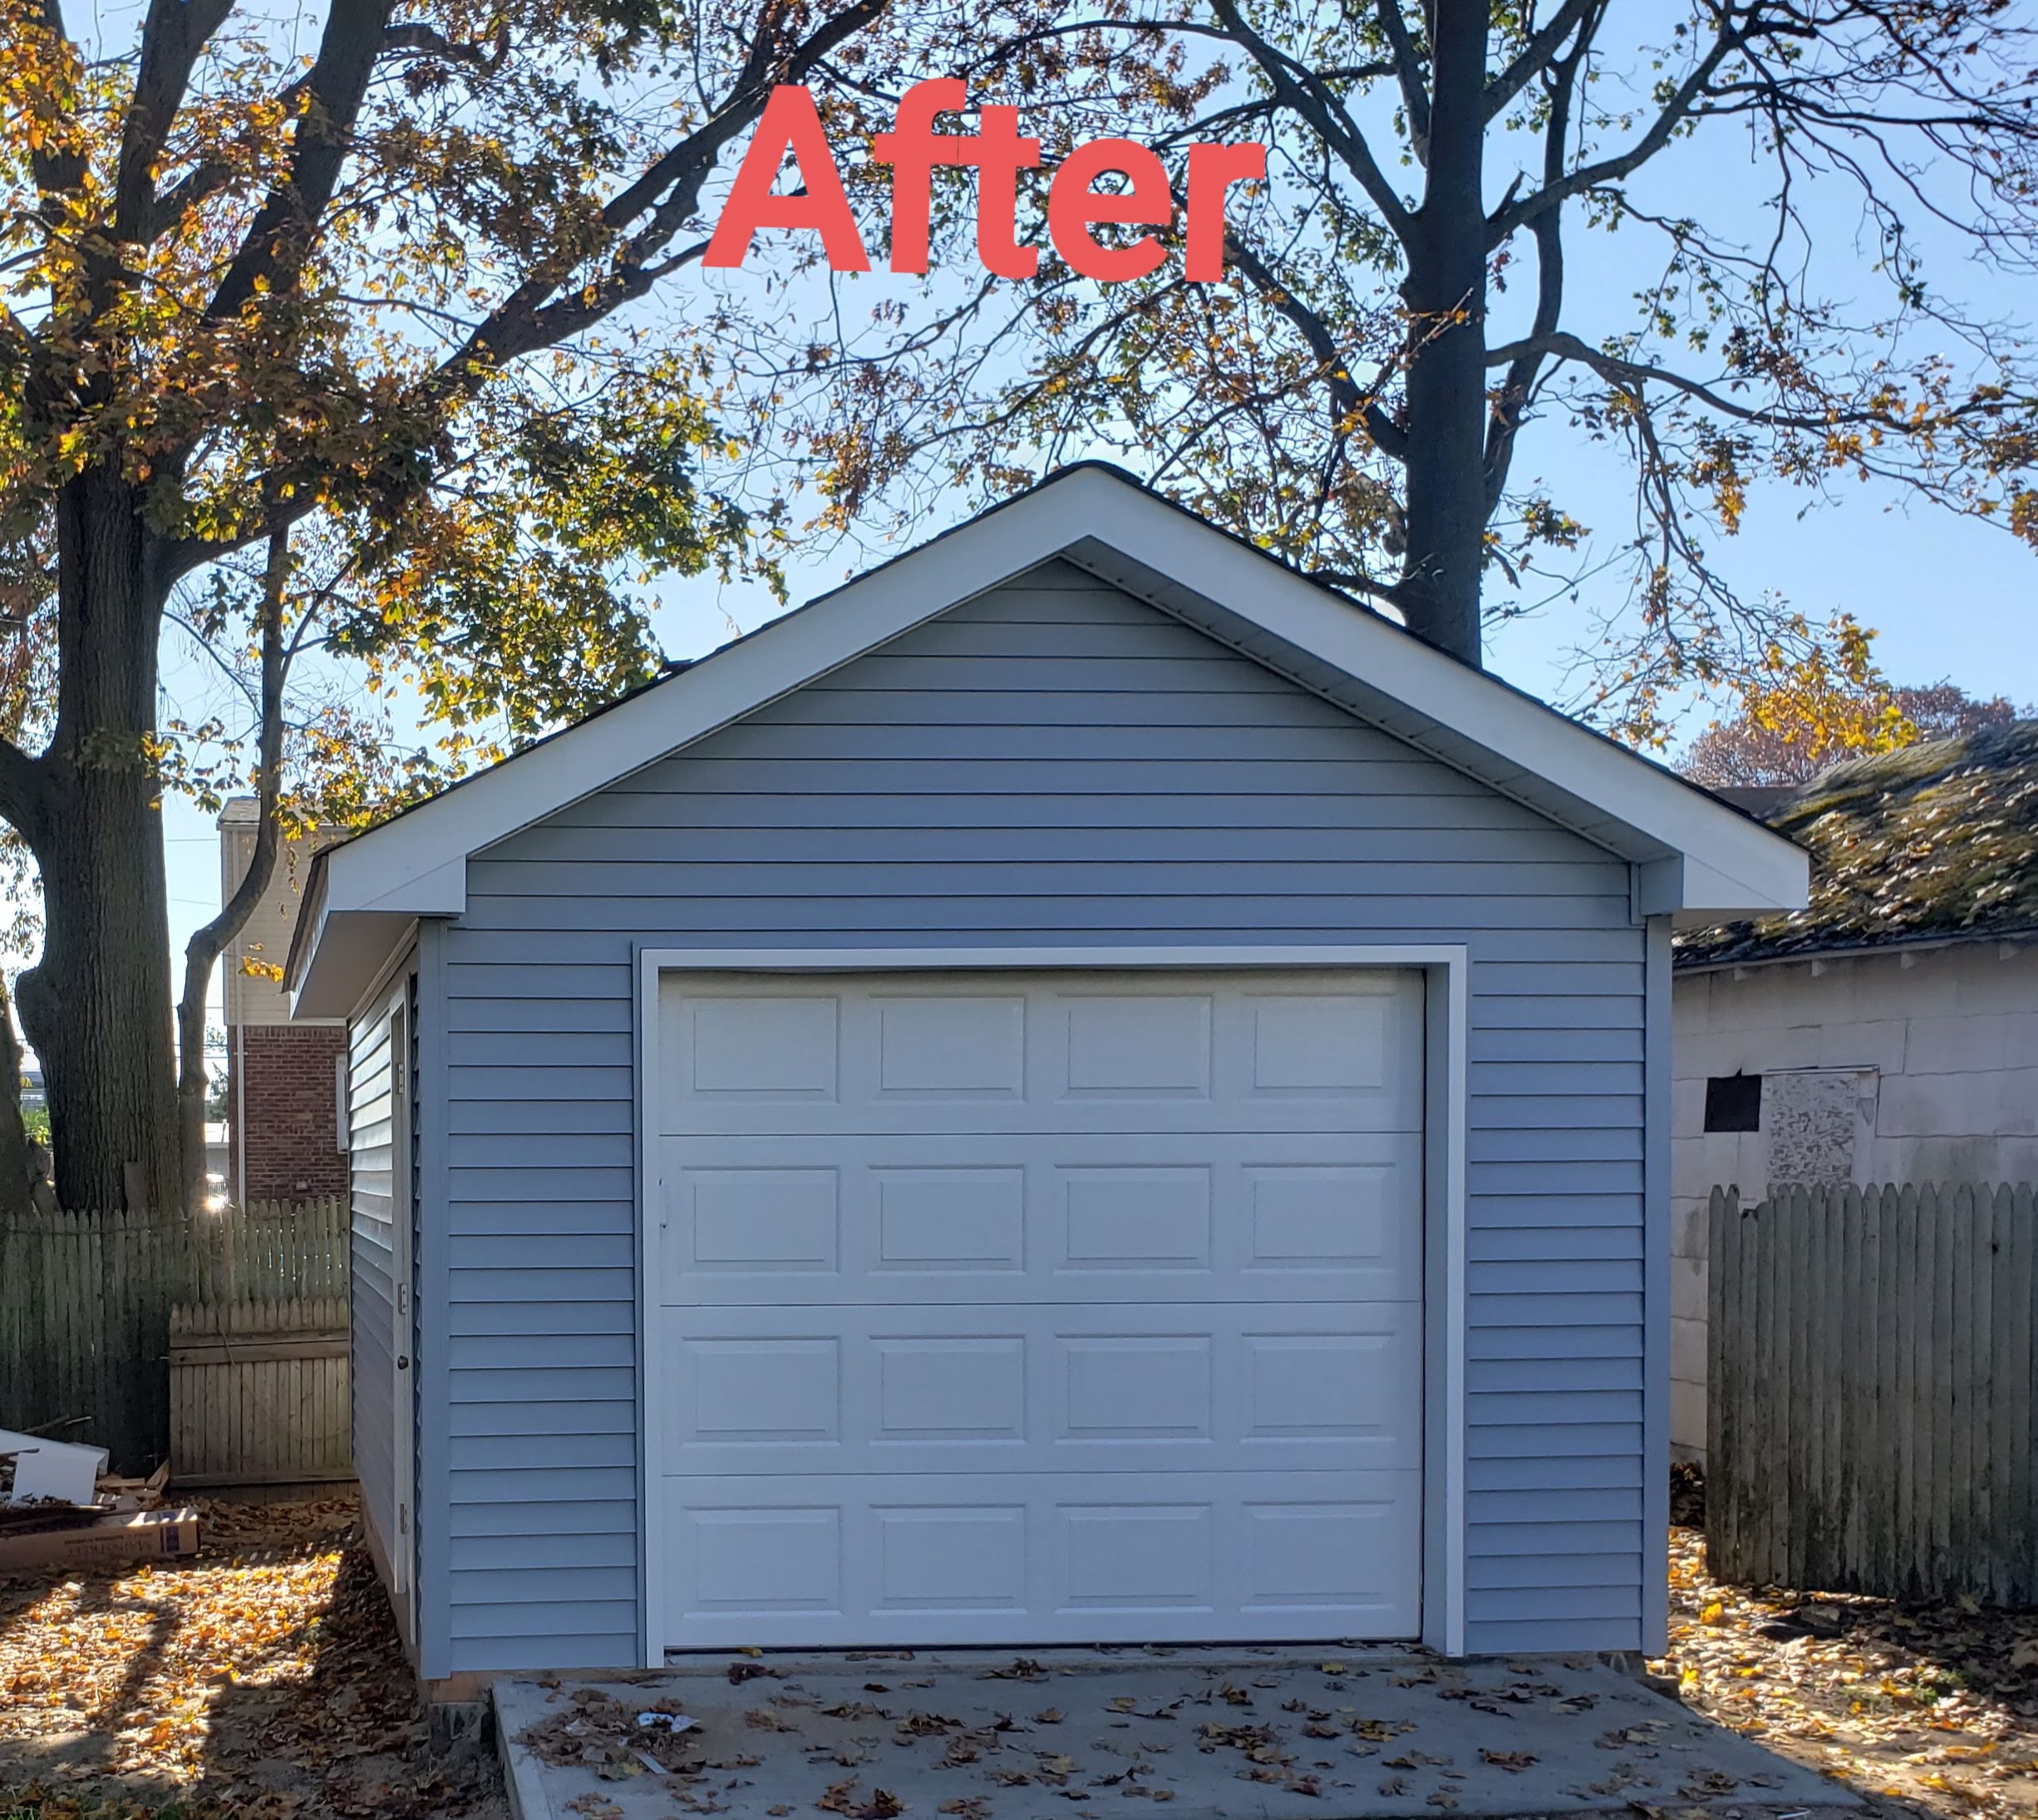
x=1038 y=1307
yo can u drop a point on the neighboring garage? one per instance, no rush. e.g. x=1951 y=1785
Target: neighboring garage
x=1082 y=1088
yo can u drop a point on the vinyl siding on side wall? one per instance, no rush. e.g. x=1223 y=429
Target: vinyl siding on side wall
x=371 y=1150
x=1058 y=763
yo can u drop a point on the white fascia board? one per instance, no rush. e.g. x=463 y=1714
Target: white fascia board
x=1696 y=896
x=356 y=882
x=1734 y=862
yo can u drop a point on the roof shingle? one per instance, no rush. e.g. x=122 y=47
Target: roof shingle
x=1938 y=842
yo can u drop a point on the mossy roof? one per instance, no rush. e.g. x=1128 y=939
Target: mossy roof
x=1935 y=843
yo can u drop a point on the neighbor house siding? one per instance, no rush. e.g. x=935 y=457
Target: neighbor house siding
x=372 y=1151
x=1931 y=1056
x=1053 y=762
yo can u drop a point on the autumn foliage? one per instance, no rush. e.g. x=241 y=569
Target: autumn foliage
x=1824 y=702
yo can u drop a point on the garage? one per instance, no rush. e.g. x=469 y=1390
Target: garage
x=1079 y=1089
x=1037 y=1307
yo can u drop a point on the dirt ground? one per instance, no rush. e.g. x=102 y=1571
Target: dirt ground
x=1934 y=1707
x=262 y=1678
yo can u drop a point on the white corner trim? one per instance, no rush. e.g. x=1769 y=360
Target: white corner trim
x=412 y=864
x=651 y=1516
x=1450 y=1028
x=1446 y=967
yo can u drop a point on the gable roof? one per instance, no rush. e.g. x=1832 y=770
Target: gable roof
x=1936 y=843
x=1698 y=856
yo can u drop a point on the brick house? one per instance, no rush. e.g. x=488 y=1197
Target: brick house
x=282 y=1077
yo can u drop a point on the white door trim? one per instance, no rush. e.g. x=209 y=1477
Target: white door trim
x=1447 y=970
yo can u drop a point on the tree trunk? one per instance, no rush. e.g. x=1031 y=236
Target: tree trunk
x=1446 y=292
x=97 y=1006
x=21 y=1173
x=202 y=952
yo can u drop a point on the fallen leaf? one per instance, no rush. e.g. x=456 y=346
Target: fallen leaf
x=1515 y=1760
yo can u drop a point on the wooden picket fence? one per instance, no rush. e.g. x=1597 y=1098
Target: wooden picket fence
x=86 y=1302
x=1873 y=1391
x=259 y=1391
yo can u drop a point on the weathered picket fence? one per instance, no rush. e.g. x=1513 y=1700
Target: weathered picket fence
x=87 y=1301
x=1873 y=1391
x=258 y=1391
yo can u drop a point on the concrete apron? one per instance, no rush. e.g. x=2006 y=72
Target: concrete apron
x=1316 y=1733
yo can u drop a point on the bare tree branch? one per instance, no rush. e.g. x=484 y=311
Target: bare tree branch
x=1303 y=91
x=1627 y=373
x=24 y=792
x=669 y=188
x=1512 y=402
x=1541 y=50
x=423 y=41
x=1408 y=74
x=1505 y=222
x=1352 y=406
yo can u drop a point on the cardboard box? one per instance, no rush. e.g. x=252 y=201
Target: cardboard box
x=149 y=1535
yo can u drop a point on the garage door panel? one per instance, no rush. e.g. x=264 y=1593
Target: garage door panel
x=823 y=1056
x=771 y=1049
x=1108 y=1556
x=1194 y=1389
x=965 y=1219
x=1102 y=1115
x=1329 y=1217
x=1039 y=1307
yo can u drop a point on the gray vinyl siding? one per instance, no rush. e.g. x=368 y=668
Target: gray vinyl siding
x=1053 y=762
x=371 y=1148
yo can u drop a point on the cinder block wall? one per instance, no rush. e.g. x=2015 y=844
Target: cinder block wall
x=1890 y=1067
x=282 y=1105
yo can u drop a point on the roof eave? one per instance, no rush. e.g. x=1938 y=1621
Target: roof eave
x=351 y=929
x=2020 y=936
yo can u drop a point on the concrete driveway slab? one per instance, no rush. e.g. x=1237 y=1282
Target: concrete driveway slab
x=1151 y=1734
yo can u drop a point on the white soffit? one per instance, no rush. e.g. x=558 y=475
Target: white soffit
x=1700 y=858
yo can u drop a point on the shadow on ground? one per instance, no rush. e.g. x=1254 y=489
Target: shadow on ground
x=1935 y=1704
x=263 y=1678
